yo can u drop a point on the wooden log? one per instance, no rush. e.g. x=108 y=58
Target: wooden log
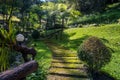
x=19 y=72
x=25 y=51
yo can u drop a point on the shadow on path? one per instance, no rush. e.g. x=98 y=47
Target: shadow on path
x=65 y=65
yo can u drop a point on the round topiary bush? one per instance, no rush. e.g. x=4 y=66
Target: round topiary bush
x=94 y=53
x=35 y=34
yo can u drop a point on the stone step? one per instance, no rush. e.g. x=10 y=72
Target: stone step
x=66 y=65
x=69 y=72
x=66 y=58
x=66 y=61
x=64 y=55
x=58 y=77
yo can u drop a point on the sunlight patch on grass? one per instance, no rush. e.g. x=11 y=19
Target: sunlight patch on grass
x=44 y=58
x=109 y=34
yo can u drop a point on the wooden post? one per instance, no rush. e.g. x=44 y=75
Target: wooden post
x=19 y=72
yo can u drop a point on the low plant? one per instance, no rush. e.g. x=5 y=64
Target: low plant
x=39 y=74
x=7 y=39
x=94 y=53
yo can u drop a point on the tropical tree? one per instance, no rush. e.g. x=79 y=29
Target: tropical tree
x=89 y=6
x=7 y=40
x=36 y=9
x=60 y=11
x=8 y=8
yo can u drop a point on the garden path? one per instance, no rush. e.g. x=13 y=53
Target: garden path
x=65 y=64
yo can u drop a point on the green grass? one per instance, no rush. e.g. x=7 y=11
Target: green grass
x=109 y=34
x=44 y=55
x=43 y=58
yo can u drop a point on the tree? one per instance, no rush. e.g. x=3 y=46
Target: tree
x=60 y=11
x=8 y=8
x=112 y=1
x=36 y=9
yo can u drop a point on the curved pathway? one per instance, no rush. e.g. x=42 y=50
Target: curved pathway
x=65 y=65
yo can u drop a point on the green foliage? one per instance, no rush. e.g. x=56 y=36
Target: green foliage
x=75 y=13
x=60 y=11
x=4 y=61
x=94 y=53
x=39 y=74
x=110 y=15
x=35 y=34
x=7 y=58
x=7 y=39
x=89 y=6
x=43 y=57
x=62 y=7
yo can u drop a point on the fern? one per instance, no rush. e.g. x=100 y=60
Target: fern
x=8 y=39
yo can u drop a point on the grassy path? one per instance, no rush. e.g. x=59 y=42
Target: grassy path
x=65 y=65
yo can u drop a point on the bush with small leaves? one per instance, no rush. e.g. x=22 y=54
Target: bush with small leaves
x=35 y=34
x=94 y=53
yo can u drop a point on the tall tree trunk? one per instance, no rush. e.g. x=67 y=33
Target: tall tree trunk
x=62 y=27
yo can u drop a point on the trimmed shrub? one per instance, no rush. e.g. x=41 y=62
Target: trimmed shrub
x=94 y=53
x=35 y=34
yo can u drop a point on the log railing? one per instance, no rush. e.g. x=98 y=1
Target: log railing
x=20 y=72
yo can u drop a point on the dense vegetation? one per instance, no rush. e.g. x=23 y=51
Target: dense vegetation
x=43 y=57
